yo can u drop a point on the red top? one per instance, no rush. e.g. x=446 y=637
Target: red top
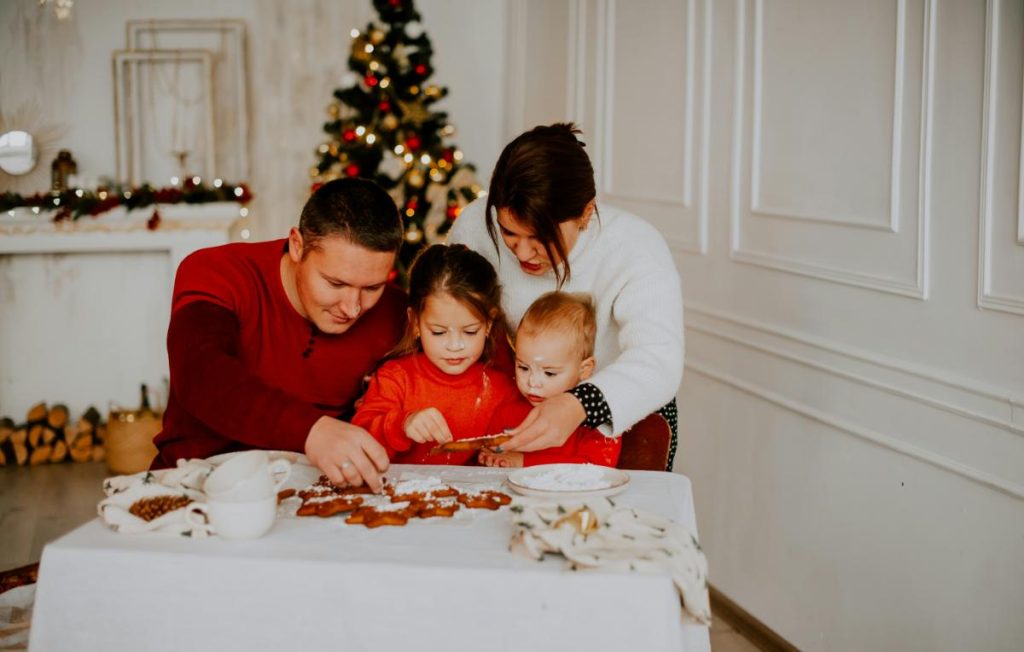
x=411 y=383
x=583 y=446
x=236 y=345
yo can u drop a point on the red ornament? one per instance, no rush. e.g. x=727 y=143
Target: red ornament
x=448 y=155
x=153 y=223
x=370 y=81
x=384 y=106
x=453 y=212
x=421 y=70
x=349 y=135
x=395 y=3
x=352 y=170
x=315 y=187
x=412 y=204
x=412 y=143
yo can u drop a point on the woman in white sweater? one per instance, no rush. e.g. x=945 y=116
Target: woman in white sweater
x=542 y=229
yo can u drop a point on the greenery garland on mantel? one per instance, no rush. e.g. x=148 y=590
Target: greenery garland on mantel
x=76 y=203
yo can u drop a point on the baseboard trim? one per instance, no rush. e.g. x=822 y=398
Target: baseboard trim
x=749 y=627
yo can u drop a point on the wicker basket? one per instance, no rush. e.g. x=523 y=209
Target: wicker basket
x=129 y=440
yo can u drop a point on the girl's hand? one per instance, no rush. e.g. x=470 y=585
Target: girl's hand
x=427 y=425
x=502 y=460
x=547 y=425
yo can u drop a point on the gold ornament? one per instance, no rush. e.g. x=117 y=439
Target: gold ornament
x=359 y=49
x=389 y=123
x=376 y=36
x=415 y=179
x=334 y=110
x=432 y=91
x=314 y=172
x=414 y=112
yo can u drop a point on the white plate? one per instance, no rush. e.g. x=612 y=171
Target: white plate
x=542 y=481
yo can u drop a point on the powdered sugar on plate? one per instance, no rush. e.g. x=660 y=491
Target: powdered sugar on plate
x=565 y=479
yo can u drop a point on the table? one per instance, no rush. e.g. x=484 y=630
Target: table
x=319 y=584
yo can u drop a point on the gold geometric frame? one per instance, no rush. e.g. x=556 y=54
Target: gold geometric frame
x=128 y=111
x=227 y=39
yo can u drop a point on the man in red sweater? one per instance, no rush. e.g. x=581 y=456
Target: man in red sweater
x=269 y=342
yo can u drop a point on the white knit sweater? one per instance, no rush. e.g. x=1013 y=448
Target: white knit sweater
x=625 y=264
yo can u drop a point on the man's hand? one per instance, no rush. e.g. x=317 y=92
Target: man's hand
x=347 y=454
x=547 y=425
x=427 y=425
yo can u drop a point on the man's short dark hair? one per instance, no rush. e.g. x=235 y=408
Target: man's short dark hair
x=357 y=209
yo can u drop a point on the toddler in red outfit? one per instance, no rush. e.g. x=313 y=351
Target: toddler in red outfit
x=554 y=348
x=437 y=385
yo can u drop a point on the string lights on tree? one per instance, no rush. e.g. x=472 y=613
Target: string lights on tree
x=382 y=126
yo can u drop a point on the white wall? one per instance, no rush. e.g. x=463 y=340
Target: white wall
x=852 y=412
x=61 y=72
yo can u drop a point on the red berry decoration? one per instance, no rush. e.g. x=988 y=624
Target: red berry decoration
x=370 y=81
x=413 y=142
x=352 y=170
x=412 y=204
x=421 y=70
x=349 y=135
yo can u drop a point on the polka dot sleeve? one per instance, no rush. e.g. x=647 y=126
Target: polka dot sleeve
x=594 y=405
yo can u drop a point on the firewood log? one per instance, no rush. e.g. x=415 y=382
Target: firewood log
x=35 y=436
x=40 y=454
x=50 y=435
x=57 y=416
x=93 y=416
x=20 y=436
x=81 y=454
x=60 y=451
x=19 y=452
x=36 y=413
x=6 y=428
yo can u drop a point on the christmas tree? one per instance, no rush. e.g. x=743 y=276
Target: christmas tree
x=382 y=127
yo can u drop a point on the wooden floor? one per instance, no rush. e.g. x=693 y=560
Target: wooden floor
x=39 y=504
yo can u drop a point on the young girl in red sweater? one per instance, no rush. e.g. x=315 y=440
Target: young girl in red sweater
x=437 y=384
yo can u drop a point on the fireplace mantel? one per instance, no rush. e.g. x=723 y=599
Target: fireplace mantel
x=84 y=305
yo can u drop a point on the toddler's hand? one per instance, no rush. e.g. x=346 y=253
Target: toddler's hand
x=503 y=460
x=427 y=425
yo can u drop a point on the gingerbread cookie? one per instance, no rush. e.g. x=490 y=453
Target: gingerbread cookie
x=484 y=499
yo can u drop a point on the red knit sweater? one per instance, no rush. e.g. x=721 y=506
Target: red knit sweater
x=239 y=378
x=583 y=446
x=411 y=383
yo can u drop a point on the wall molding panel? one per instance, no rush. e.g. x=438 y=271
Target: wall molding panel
x=957 y=396
x=834 y=228
x=690 y=203
x=988 y=480
x=996 y=215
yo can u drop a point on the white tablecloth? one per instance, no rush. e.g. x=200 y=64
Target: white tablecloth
x=319 y=584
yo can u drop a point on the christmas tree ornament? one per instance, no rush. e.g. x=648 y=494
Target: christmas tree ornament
x=352 y=170
x=376 y=36
x=432 y=92
x=412 y=143
x=334 y=110
x=413 y=112
x=348 y=135
x=414 y=30
x=370 y=80
x=389 y=123
x=415 y=179
x=384 y=106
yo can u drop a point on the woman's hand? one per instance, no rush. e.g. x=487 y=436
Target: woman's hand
x=347 y=454
x=547 y=425
x=427 y=425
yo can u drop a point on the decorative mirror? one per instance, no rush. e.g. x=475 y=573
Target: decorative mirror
x=18 y=154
